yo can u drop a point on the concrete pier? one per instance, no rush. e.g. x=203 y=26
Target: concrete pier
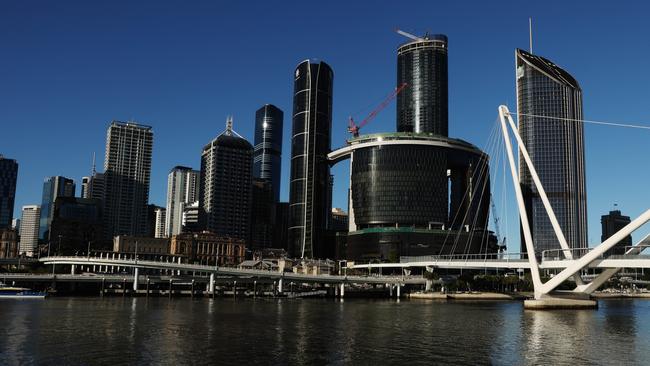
x=561 y=300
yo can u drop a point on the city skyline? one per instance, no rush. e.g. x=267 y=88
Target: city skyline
x=352 y=94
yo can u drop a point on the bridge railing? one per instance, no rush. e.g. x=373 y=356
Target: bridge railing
x=495 y=257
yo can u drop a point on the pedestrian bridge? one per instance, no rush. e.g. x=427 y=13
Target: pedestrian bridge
x=230 y=271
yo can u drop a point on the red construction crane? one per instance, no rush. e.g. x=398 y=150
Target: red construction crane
x=353 y=128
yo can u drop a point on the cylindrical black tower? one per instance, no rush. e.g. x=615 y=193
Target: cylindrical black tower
x=310 y=144
x=268 y=146
x=422 y=106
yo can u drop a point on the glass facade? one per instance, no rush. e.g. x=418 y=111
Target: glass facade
x=310 y=173
x=225 y=188
x=422 y=107
x=556 y=148
x=53 y=187
x=8 y=177
x=268 y=146
x=416 y=194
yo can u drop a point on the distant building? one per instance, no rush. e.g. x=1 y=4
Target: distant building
x=182 y=190
x=209 y=248
x=53 y=187
x=263 y=215
x=310 y=172
x=8 y=243
x=152 y=220
x=85 y=187
x=127 y=170
x=611 y=224
x=225 y=193
x=191 y=218
x=422 y=107
x=556 y=148
x=339 y=220
x=140 y=245
x=29 y=224
x=15 y=224
x=8 y=177
x=268 y=146
x=281 y=228
x=78 y=221
x=160 y=230
x=96 y=187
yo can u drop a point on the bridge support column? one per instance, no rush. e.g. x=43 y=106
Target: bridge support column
x=428 y=285
x=390 y=289
x=342 y=290
x=72 y=268
x=399 y=286
x=211 y=284
x=280 y=285
x=136 y=274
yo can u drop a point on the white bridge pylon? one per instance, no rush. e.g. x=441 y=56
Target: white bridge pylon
x=574 y=266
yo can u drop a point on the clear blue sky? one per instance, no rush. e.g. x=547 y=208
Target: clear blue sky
x=70 y=67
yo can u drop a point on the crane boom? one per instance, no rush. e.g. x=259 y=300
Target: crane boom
x=409 y=35
x=353 y=128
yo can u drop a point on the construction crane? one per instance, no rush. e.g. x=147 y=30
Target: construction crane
x=501 y=244
x=354 y=128
x=409 y=35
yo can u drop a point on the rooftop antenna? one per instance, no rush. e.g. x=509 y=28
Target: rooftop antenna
x=229 y=131
x=530 y=33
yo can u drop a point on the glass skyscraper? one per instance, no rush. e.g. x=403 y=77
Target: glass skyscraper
x=556 y=148
x=8 y=177
x=310 y=172
x=53 y=187
x=268 y=146
x=127 y=170
x=422 y=105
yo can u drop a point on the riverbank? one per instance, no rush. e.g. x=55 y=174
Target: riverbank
x=619 y=295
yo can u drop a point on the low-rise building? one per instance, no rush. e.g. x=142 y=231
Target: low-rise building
x=8 y=243
x=141 y=245
x=209 y=248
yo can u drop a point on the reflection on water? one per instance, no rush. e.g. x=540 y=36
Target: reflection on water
x=274 y=331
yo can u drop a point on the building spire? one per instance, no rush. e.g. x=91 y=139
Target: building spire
x=530 y=33
x=229 y=125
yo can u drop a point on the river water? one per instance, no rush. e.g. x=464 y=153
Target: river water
x=126 y=331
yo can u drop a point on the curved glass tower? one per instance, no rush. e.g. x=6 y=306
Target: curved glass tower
x=556 y=148
x=268 y=146
x=310 y=173
x=422 y=105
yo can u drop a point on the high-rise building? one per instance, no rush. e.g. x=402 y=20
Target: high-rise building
x=262 y=215
x=225 y=192
x=422 y=107
x=85 y=187
x=192 y=217
x=127 y=168
x=29 y=225
x=281 y=228
x=268 y=146
x=8 y=177
x=310 y=172
x=78 y=221
x=611 y=224
x=182 y=190
x=160 y=230
x=53 y=187
x=549 y=100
